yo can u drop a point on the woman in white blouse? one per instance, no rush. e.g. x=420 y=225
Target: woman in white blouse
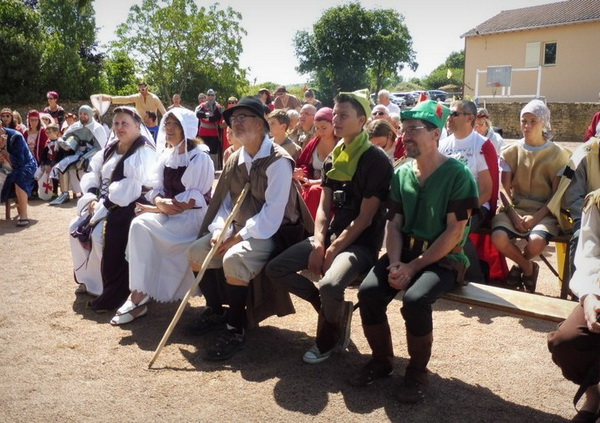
x=160 y=236
x=112 y=187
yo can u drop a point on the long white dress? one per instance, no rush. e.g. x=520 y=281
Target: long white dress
x=158 y=243
x=86 y=264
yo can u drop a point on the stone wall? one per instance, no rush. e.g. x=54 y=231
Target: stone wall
x=569 y=120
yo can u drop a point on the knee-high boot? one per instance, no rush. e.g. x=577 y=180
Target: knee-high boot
x=416 y=379
x=381 y=364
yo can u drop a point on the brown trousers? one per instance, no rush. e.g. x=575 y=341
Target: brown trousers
x=576 y=350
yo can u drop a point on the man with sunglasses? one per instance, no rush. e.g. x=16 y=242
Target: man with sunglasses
x=144 y=101
x=430 y=201
x=479 y=155
x=380 y=112
x=270 y=203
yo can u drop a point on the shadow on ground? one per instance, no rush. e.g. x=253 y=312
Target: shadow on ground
x=275 y=353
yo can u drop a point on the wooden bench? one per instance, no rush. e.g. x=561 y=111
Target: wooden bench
x=511 y=301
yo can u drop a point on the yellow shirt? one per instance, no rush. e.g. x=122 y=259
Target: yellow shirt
x=150 y=103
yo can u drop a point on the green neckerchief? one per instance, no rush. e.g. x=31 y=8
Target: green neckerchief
x=345 y=158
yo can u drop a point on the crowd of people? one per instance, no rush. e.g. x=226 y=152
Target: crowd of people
x=324 y=194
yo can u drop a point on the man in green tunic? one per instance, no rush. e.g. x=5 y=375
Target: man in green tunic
x=430 y=202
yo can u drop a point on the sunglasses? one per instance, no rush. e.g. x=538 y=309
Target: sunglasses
x=377 y=113
x=482 y=115
x=456 y=114
x=232 y=102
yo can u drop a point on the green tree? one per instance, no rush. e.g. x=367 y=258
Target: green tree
x=71 y=64
x=185 y=49
x=350 y=45
x=451 y=72
x=391 y=48
x=119 y=74
x=22 y=44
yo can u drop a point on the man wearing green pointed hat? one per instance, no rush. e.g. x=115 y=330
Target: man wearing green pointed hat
x=348 y=227
x=430 y=201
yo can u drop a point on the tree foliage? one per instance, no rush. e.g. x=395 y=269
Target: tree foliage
x=20 y=35
x=455 y=63
x=48 y=45
x=181 y=48
x=71 y=65
x=350 y=45
x=119 y=74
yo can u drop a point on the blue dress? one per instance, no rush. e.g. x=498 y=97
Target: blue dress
x=23 y=166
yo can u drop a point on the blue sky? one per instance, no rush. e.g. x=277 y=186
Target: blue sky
x=435 y=27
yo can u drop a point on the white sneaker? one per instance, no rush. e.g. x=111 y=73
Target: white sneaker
x=314 y=356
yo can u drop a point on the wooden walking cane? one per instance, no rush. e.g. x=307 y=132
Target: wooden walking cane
x=211 y=253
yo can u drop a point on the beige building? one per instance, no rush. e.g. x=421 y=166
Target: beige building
x=552 y=50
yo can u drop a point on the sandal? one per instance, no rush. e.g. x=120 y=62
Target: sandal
x=513 y=279
x=123 y=318
x=22 y=222
x=530 y=281
x=125 y=312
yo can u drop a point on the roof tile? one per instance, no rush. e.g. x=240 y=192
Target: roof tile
x=553 y=14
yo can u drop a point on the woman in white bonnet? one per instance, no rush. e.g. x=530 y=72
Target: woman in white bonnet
x=530 y=171
x=160 y=236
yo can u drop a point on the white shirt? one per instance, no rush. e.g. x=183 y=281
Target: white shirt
x=587 y=255
x=468 y=151
x=267 y=221
x=393 y=108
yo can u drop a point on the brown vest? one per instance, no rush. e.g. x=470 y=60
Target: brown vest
x=234 y=178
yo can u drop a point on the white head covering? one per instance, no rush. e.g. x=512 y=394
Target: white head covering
x=539 y=108
x=189 y=123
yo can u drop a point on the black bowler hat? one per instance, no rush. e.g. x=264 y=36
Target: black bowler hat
x=252 y=104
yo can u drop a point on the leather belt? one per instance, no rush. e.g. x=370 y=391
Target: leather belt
x=420 y=245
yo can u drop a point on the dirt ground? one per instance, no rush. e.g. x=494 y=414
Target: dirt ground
x=61 y=362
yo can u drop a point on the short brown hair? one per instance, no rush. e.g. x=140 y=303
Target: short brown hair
x=281 y=116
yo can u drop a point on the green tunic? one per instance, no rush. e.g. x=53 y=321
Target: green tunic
x=449 y=189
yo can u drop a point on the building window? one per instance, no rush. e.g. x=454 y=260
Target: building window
x=549 y=54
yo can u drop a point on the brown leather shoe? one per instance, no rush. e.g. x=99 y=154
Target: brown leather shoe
x=530 y=282
x=414 y=387
x=513 y=279
x=369 y=373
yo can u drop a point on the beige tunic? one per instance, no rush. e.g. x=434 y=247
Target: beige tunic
x=533 y=173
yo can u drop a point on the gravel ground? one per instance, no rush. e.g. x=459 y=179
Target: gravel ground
x=61 y=362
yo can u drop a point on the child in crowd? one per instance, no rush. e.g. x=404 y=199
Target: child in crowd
x=70 y=119
x=279 y=123
x=150 y=122
x=47 y=161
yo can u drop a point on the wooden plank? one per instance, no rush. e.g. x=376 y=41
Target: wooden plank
x=517 y=302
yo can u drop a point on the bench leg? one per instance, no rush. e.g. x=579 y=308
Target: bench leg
x=563 y=260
